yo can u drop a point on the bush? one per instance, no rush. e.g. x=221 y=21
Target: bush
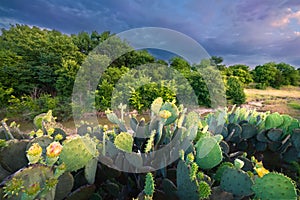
x=261 y=86
x=235 y=91
x=28 y=107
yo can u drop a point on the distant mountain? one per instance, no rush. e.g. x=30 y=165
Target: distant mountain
x=161 y=54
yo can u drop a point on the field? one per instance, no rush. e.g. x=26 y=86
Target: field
x=285 y=101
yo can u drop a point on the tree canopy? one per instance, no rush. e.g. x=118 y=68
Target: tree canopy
x=38 y=68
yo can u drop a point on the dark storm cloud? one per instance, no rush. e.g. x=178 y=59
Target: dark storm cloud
x=250 y=32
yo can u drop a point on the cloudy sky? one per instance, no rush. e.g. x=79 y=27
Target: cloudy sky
x=251 y=32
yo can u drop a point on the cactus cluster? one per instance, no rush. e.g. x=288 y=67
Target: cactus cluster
x=253 y=132
x=41 y=169
x=218 y=161
x=190 y=182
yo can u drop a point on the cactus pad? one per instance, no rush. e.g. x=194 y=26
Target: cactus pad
x=273 y=120
x=13 y=156
x=64 y=186
x=248 y=131
x=209 y=153
x=156 y=105
x=124 y=141
x=36 y=175
x=77 y=152
x=90 y=170
x=274 y=134
x=187 y=189
x=296 y=139
x=172 y=108
x=236 y=182
x=234 y=132
x=274 y=186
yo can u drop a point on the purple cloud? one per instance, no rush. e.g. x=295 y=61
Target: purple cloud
x=250 y=32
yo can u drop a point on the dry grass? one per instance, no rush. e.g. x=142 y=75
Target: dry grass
x=287 y=92
x=285 y=101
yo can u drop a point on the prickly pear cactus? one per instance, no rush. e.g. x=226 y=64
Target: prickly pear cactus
x=64 y=186
x=274 y=186
x=77 y=152
x=149 y=185
x=172 y=108
x=124 y=141
x=236 y=181
x=273 y=120
x=112 y=117
x=221 y=169
x=248 y=131
x=33 y=182
x=187 y=188
x=209 y=152
x=42 y=141
x=156 y=105
x=90 y=170
x=13 y=155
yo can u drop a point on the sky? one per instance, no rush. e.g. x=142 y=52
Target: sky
x=251 y=32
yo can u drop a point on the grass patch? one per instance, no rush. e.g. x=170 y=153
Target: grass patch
x=294 y=105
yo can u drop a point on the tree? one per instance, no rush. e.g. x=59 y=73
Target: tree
x=267 y=75
x=37 y=54
x=235 y=91
x=217 y=61
x=290 y=76
x=242 y=72
x=179 y=64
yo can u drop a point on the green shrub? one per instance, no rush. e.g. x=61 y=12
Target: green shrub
x=235 y=91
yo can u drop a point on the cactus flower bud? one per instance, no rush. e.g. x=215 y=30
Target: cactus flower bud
x=165 y=114
x=238 y=163
x=34 y=153
x=190 y=158
x=54 y=149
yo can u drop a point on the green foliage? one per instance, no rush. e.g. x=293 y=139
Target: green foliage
x=275 y=75
x=240 y=71
x=235 y=91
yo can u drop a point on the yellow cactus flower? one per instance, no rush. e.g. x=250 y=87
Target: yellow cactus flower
x=50 y=131
x=58 y=137
x=105 y=127
x=260 y=170
x=54 y=149
x=165 y=114
x=39 y=133
x=35 y=150
x=34 y=153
